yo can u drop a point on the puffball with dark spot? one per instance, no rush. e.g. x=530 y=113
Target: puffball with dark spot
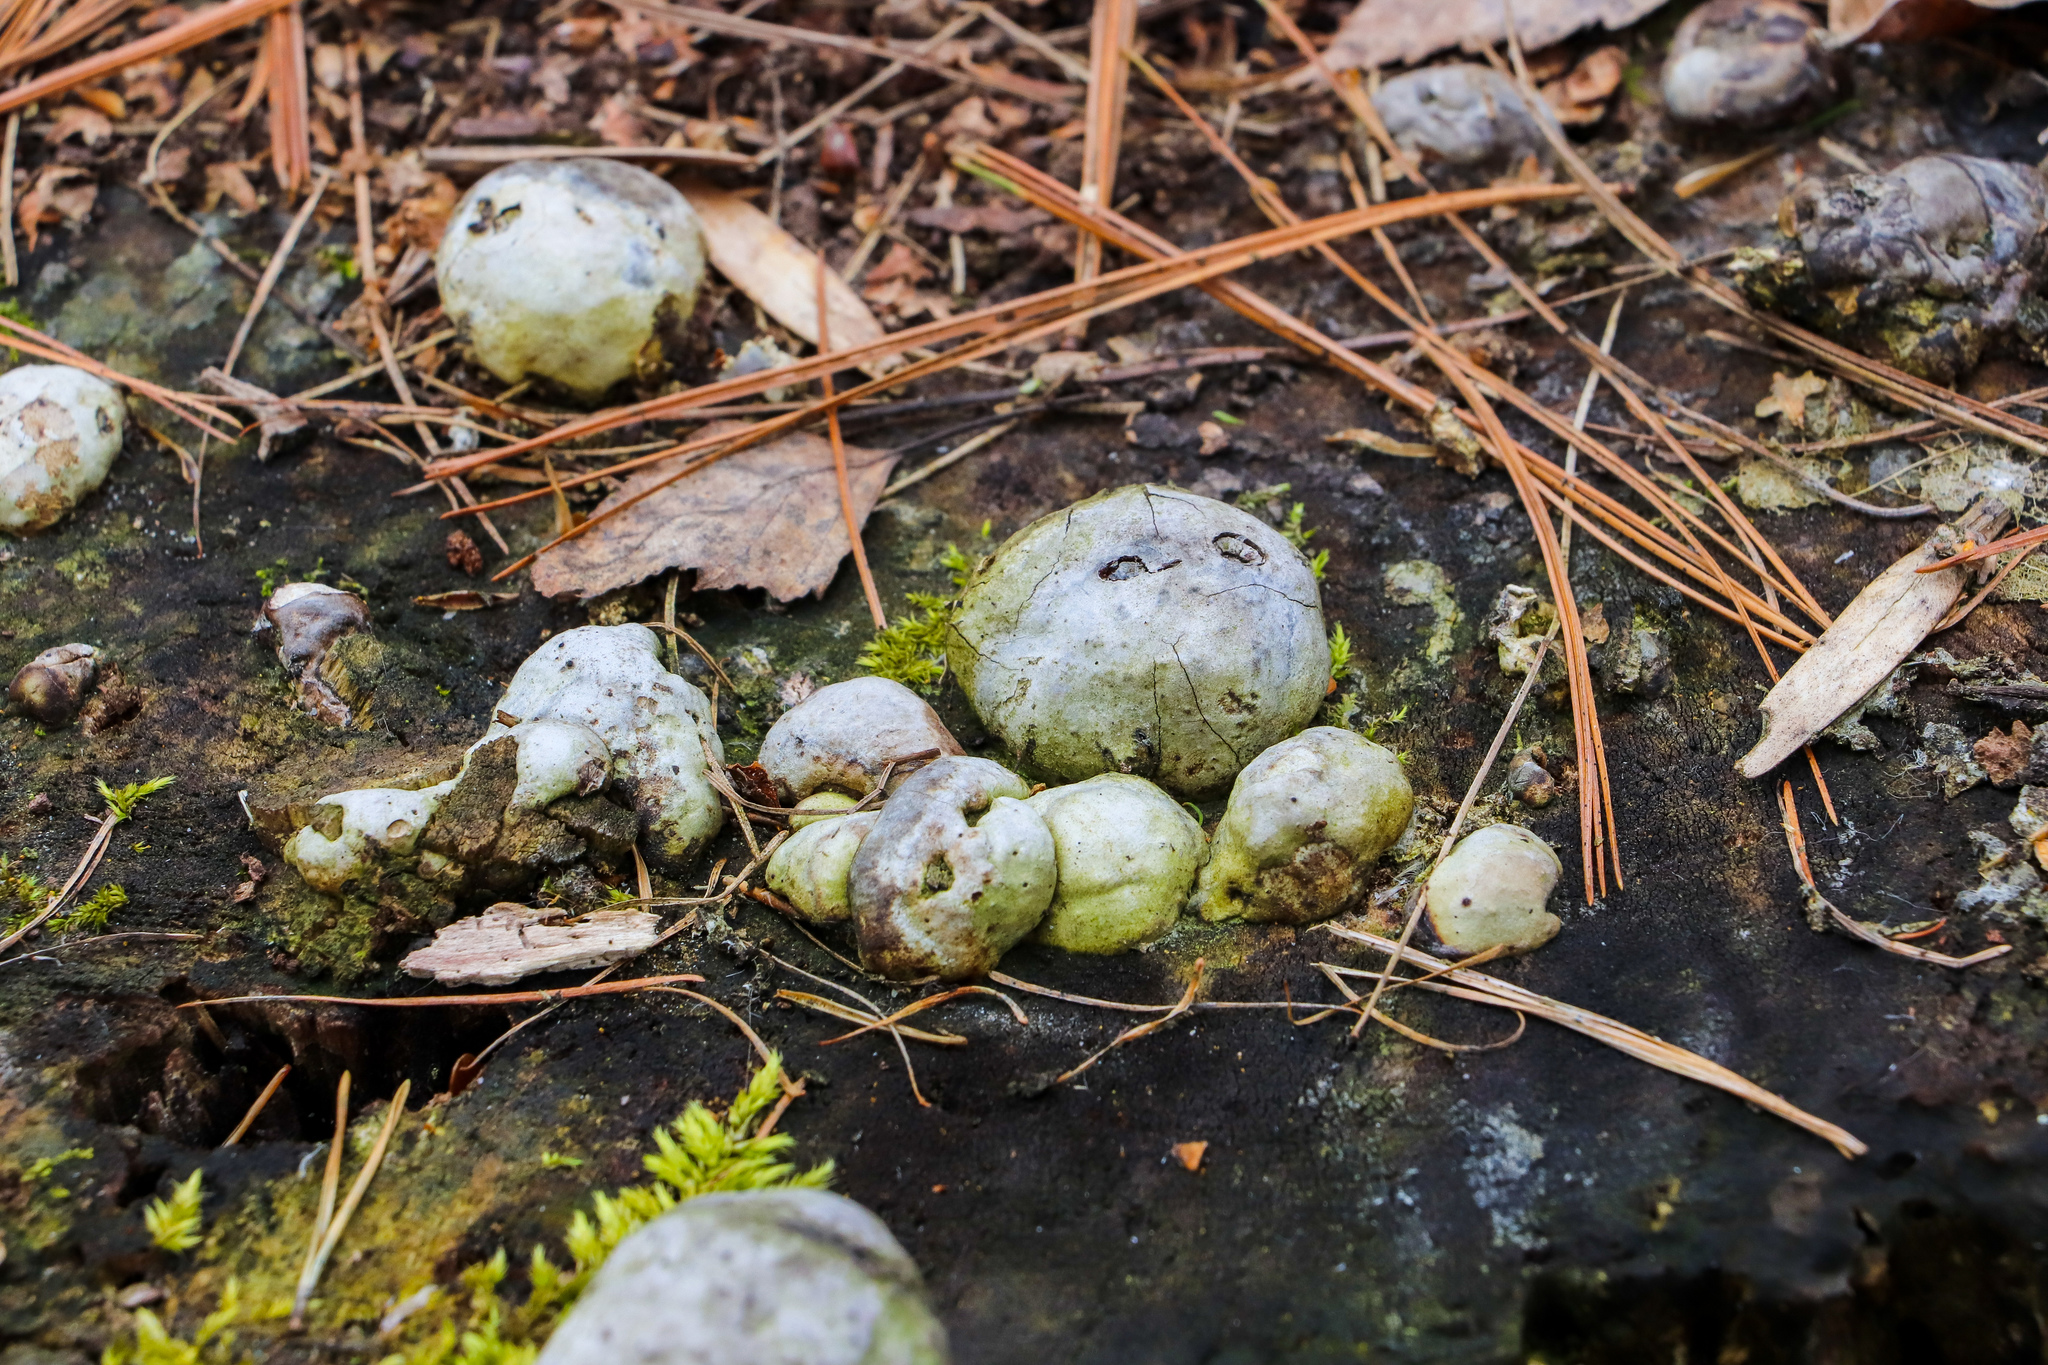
x=1127 y=854
x=812 y=867
x=1463 y=115
x=60 y=429
x=1491 y=892
x=52 y=686
x=1305 y=824
x=568 y=270
x=1745 y=63
x=1146 y=630
x=844 y=737
x=955 y=871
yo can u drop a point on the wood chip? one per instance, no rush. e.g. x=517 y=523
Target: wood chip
x=509 y=941
x=1873 y=635
x=767 y=517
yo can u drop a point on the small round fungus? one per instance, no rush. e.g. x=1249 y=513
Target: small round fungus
x=845 y=736
x=60 y=429
x=811 y=869
x=1304 y=825
x=52 y=686
x=952 y=875
x=1146 y=630
x=571 y=270
x=1491 y=892
x=1127 y=854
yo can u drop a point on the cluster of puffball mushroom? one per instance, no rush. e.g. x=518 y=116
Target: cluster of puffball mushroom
x=1141 y=648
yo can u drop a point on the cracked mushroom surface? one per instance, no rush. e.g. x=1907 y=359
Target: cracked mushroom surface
x=842 y=738
x=1491 y=892
x=60 y=429
x=1303 y=828
x=571 y=270
x=953 y=874
x=657 y=728
x=1127 y=854
x=1145 y=630
x=1929 y=266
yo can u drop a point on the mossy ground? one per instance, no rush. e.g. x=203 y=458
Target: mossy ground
x=1377 y=1201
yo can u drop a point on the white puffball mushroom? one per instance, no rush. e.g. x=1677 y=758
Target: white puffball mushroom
x=1303 y=827
x=953 y=874
x=1746 y=63
x=557 y=758
x=52 y=686
x=823 y=805
x=1127 y=854
x=350 y=830
x=844 y=736
x=570 y=269
x=1491 y=892
x=764 y=1277
x=1146 y=630
x=657 y=727
x=812 y=867
x=60 y=429
x=1463 y=115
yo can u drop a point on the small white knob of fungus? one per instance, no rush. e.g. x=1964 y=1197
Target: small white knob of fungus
x=1491 y=892
x=811 y=869
x=60 y=429
x=1127 y=854
x=1306 y=821
x=557 y=758
x=354 y=829
x=570 y=270
x=844 y=737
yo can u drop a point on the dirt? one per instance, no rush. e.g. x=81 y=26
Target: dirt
x=1549 y=1201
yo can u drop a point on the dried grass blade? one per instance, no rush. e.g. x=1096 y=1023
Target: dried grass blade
x=424 y=1001
x=291 y=147
x=1137 y=1031
x=278 y=260
x=848 y=1014
x=1113 y=25
x=846 y=513
x=256 y=1109
x=311 y=1278
x=207 y=23
x=330 y=1180
x=1489 y=990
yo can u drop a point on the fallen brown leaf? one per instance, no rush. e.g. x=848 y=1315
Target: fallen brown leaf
x=997 y=218
x=53 y=198
x=225 y=179
x=1397 y=32
x=900 y=263
x=778 y=272
x=83 y=122
x=1788 y=397
x=1904 y=21
x=767 y=517
x=617 y=125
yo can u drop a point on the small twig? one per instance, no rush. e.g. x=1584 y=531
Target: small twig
x=1137 y=1031
x=1795 y=841
x=330 y=1180
x=278 y=258
x=949 y=459
x=403 y=1002
x=788 y=1086
x=7 y=199
x=867 y=1020
x=1450 y=839
x=860 y=554
x=257 y=1108
x=311 y=1279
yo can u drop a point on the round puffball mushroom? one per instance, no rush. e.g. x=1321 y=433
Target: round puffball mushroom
x=812 y=868
x=570 y=270
x=818 y=806
x=52 y=686
x=1462 y=115
x=955 y=871
x=307 y=619
x=843 y=737
x=1127 y=854
x=768 y=1277
x=60 y=429
x=656 y=726
x=1304 y=825
x=1745 y=63
x=1146 y=630
x=1491 y=891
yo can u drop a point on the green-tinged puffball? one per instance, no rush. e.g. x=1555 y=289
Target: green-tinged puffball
x=1491 y=892
x=811 y=869
x=1127 y=853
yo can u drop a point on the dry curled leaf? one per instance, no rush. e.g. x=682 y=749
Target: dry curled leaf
x=1787 y=398
x=767 y=517
x=778 y=272
x=465 y=599
x=1398 y=32
x=83 y=122
x=225 y=179
x=1904 y=21
x=55 y=198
